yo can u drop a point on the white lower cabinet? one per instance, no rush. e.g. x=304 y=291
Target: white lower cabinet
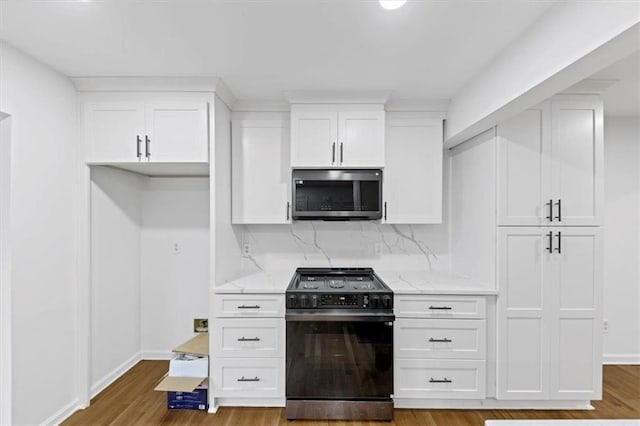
x=439 y=353
x=433 y=338
x=441 y=379
x=549 y=313
x=248 y=378
x=247 y=338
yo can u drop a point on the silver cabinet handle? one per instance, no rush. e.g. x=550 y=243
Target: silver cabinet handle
x=288 y=207
x=249 y=339
x=444 y=340
x=255 y=379
x=147 y=146
x=385 y=210
x=559 y=248
x=550 y=246
x=138 y=146
x=440 y=308
x=444 y=380
x=249 y=307
x=550 y=216
x=559 y=205
x=333 y=153
x=341 y=152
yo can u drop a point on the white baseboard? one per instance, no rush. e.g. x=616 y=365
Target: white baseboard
x=491 y=404
x=625 y=359
x=111 y=377
x=156 y=355
x=63 y=413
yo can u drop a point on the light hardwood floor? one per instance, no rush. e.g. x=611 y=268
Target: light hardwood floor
x=132 y=401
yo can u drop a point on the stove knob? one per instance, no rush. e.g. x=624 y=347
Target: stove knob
x=304 y=301
x=292 y=301
x=374 y=302
x=386 y=302
x=314 y=301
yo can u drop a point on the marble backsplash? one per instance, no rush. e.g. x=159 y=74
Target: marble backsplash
x=335 y=244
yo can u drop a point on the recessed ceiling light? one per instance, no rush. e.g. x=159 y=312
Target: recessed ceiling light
x=392 y=4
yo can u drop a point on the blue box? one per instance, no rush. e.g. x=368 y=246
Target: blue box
x=196 y=400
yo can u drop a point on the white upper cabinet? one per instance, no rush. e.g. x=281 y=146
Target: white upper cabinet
x=139 y=131
x=261 y=176
x=177 y=132
x=577 y=168
x=550 y=165
x=412 y=178
x=337 y=136
x=549 y=327
x=361 y=139
x=114 y=131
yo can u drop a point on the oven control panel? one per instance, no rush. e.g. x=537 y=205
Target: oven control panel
x=339 y=299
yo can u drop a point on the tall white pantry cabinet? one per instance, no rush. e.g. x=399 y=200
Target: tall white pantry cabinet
x=549 y=265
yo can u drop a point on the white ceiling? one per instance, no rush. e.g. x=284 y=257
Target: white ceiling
x=427 y=49
x=623 y=97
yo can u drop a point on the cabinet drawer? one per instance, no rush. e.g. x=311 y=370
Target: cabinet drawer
x=436 y=338
x=248 y=305
x=420 y=306
x=440 y=379
x=248 y=337
x=248 y=377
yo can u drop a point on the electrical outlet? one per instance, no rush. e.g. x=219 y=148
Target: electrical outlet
x=175 y=248
x=377 y=248
x=246 y=249
x=200 y=325
x=605 y=326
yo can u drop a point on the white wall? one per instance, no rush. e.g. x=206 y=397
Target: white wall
x=175 y=261
x=473 y=200
x=622 y=239
x=5 y=269
x=115 y=274
x=42 y=105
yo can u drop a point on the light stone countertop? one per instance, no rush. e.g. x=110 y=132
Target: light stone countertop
x=257 y=283
x=401 y=282
x=432 y=282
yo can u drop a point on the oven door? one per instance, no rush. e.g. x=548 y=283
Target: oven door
x=339 y=358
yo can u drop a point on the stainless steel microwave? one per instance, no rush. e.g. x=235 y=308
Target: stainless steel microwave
x=337 y=194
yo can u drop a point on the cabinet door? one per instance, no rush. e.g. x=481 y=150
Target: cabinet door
x=361 y=139
x=260 y=174
x=576 y=336
x=577 y=151
x=523 y=313
x=314 y=138
x=177 y=132
x=112 y=130
x=524 y=168
x=412 y=178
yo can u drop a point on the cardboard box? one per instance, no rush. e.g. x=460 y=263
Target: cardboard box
x=186 y=383
x=196 y=400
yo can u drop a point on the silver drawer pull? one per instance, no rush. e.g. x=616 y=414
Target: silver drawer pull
x=249 y=307
x=255 y=379
x=249 y=339
x=445 y=340
x=440 y=308
x=445 y=380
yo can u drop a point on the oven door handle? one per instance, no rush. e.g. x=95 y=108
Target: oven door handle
x=341 y=317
